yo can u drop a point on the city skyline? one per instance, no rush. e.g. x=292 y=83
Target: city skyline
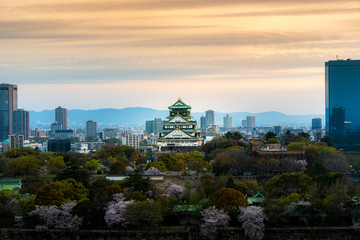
x=228 y=56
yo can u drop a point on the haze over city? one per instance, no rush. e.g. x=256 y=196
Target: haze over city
x=225 y=55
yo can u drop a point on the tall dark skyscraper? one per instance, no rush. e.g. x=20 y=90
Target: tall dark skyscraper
x=8 y=103
x=210 y=118
x=91 y=130
x=154 y=126
x=316 y=123
x=21 y=123
x=342 y=102
x=61 y=117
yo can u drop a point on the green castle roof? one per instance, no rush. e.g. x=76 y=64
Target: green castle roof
x=179 y=105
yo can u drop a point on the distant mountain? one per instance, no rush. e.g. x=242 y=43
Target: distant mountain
x=136 y=116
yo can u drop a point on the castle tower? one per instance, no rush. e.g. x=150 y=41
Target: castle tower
x=179 y=131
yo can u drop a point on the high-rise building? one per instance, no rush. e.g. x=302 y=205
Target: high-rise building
x=61 y=117
x=91 y=130
x=250 y=122
x=227 y=122
x=316 y=123
x=8 y=103
x=133 y=140
x=21 y=123
x=210 y=118
x=203 y=124
x=342 y=101
x=278 y=130
x=154 y=126
x=16 y=141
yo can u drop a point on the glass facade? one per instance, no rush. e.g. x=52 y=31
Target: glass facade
x=8 y=103
x=342 y=103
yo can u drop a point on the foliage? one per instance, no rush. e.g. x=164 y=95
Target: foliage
x=118 y=167
x=176 y=191
x=116 y=210
x=56 y=193
x=24 y=165
x=293 y=165
x=327 y=140
x=57 y=217
x=247 y=188
x=144 y=214
x=229 y=200
x=21 y=152
x=136 y=196
x=137 y=158
x=159 y=165
x=223 y=164
x=269 y=135
x=73 y=170
x=273 y=141
x=265 y=166
x=93 y=165
x=152 y=171
x=252 y=219
x=288 y=183
x=208 y=183
x=212 y=219
x=169 y=161
x=137 y=183
x=55 y=164
x=235 y=135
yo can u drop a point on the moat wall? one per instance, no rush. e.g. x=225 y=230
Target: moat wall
x=186 y=234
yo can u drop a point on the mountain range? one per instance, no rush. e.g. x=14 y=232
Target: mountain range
x=136 y=116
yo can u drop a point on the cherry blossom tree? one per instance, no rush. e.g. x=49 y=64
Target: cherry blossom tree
x=116 y=210
x=176 y=191
x=57 y=217
x=152 y=171
x=252 y=219
x=356 y=226
x=212 y=219
x=129 y=169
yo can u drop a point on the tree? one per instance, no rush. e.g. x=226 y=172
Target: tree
x=288 y=183
x=144 y=214
x=176 y=191
x=212 y=218
x=229 y=200
x=159 y=165
x=25 y=165
x=93 y=165
x=152 y=171
x=57 y=217
x=116 y=210
x=137 y=183
x=208 y=183
x=269 y=135
x=22 y=152
x=252 y=219
x=55 y=164
x=169 y=161
x=327 y=140
x=235 y=135
x=223 y=164
x=56 y=193
x=136 y=196
x=118 y=167
x=137 y=158
x=266 y=166
x=73 y=170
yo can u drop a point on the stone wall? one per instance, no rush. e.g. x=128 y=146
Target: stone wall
x=342 y=233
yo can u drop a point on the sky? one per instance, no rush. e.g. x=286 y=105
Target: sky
x=228 y=55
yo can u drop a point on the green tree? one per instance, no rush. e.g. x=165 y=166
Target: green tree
x=288 y=183
x=273 y=141
x=25 y=165
x=137 y=158
x=208 y=182
x=169 y=161
x=229 y=200
x=326 y=139
x=159 y=165
x=73 y=170
x=269 y=135
x=137 y=196
x=118 y=167
x=144 y=214
x=56 y=193
x=137 y=183
x=93 y=165
x=235 y=135
x=223 y=164
x=55 y=164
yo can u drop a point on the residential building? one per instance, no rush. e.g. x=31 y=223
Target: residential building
x=21 y=123
x=154 y=126
x=342 y=101
x=227 y=122
x=8 y=103
x=16 y=141
x=61 y=117
x=250 y=122
x=133 y=140
x=210 y=118
x=110 y=133
x=278 y=130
